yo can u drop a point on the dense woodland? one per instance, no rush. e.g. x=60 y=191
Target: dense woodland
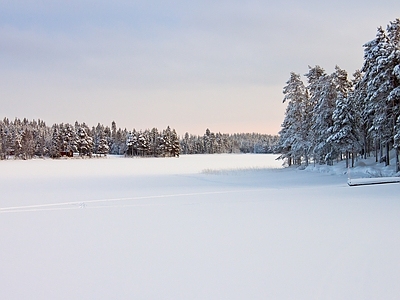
x=211 y=143
x=24 y=139
x=332 y=118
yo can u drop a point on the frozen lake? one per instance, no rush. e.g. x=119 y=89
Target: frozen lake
x=197 y=227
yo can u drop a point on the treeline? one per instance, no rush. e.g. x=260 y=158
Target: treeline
x=211 y=143
x=334 y=118
x=24 y=139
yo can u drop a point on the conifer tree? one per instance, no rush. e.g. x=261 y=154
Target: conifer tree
x=55 y=148
x=295 y=131
x=84 y=142
x=175 y=146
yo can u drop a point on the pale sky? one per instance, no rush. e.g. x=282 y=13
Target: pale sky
x=191 y=65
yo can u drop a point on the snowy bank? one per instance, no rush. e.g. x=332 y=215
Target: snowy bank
x=364 y=168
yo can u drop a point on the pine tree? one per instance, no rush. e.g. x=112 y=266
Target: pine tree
x=84 y=142
x=185 y=143
x=143 y=144
x=375 y=68
x=102 y=147
x=2 y=141
x=294 y=133
x=55 y=148
x=322 y=93
x=27 y=143
x=129 y=144
x=175 y=146
x=393 y=101
x=344 y=134
x=154 y=142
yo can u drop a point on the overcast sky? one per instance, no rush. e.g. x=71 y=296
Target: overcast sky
x=191 y=65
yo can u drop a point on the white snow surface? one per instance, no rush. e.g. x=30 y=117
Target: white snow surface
x=363 y=168
x=197 y=227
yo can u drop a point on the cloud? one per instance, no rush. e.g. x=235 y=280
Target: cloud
x=190 y=55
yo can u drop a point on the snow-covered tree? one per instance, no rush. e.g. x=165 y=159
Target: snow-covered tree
x=102 y=147
x=393 y=100
x=27 y=142
x=84 y=143
x=165 y=145
x=55 y=147
x=294 y=142
x=344 y=134
x=377 y=76
x=321 y=92
x=175 y=145
x=143 y=144
x=153 y=140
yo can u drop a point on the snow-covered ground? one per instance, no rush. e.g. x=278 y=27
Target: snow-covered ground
x=363 y=168
x=197 y=227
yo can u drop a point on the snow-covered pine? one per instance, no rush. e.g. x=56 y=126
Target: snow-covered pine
x=27 y=142
x=397 y=135
x=39 y=138
x=361 y=118
x=129 y=143
x=69 y=139
x=378 y=71
x=55 y=147
x=357 y=98
x=321 y=91
x=2 y=141
x=341 y=81
x=118 y=140
x=143 y=144
x=175 y=145
x=294 y=143
x=102 y=148
x=84 y=142
x=185 y=143
x=97 y=132
x=162 y=144
x=167 y=146
x=230 y=143
x=393 y=101
x=344 y=134
x=208 y=141
x=26 y=139
x=154 y=142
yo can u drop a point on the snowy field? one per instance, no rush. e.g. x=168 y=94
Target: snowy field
x=197 y=227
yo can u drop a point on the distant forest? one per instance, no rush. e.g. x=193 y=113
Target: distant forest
x=24 y=139
x=211 y=143
x=334 y=118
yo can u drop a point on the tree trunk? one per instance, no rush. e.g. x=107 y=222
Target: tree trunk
x=366 y=146
x=347 y=159
x=306 y=157
x=397 y=160
x=387 y=154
